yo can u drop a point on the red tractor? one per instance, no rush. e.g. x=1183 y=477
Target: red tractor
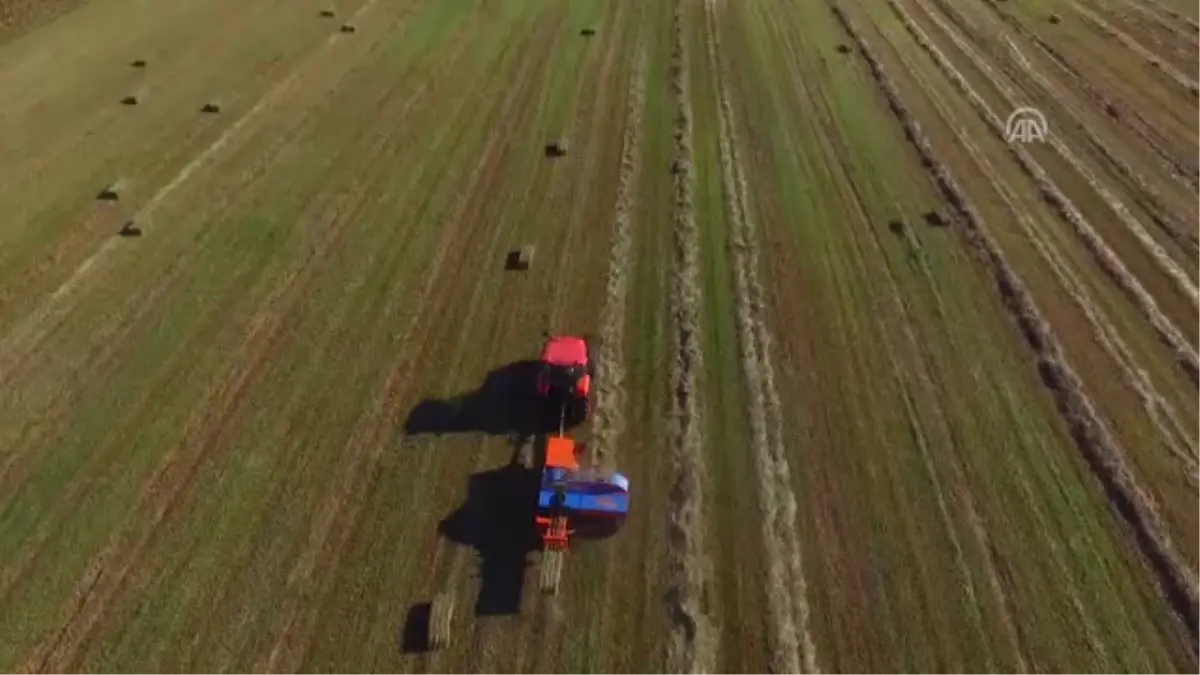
x=565 y=378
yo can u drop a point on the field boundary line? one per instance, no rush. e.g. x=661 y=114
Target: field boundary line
x=692 y=639
x=1100 y=451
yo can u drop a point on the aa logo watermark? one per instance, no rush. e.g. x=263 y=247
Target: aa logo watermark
x=1026 y=125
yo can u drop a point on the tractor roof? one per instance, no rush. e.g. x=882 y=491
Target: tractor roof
x=565 y=351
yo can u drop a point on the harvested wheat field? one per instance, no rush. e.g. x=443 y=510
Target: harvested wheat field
x=893 y=390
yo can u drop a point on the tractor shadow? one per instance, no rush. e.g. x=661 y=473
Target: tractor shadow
x=497 y=520
x=505 y=404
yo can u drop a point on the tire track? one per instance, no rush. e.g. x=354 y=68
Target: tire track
x=121 y=429
x=1134 y=377
x=918 y=425
x=1185 y=170
x=787 y=591
x=1144 y=193
x=1014 y=630
x=302 y=606
x=1101 y=452
x=1168 y=266
x=318 y=252
x=111 y=339
x=1162 y=415
x=593 y=117
x=1014 y=636
x=1161 y=7
x=204 y=434
x=536 y=75
x=385 y=148
x=1184 y=354
x=143 y=307
x=159 y=494
x=1184 y=30
x=692 y=640
x=609 y=422
x=1137 y=48
x=1160 y=411
x=31 y=332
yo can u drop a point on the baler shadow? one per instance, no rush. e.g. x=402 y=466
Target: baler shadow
x=497 y=520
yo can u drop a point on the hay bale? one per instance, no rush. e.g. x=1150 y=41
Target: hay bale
x=1055 y=19
x=441 y=616
x=211 y=107
x=896 y=226
x=936 y=218
x=348 y=28
x=520 y=258
x=132 y=99
x=130 y=229
x=556 y=148
x=588 y=32
x=138 y=63
x=328 y=13
x=112 y=191
x=551 y=572
x=843 y=49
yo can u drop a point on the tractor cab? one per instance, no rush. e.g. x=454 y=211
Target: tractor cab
x=565 y=377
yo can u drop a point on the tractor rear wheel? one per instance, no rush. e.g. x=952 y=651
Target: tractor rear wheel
x=441 y=615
